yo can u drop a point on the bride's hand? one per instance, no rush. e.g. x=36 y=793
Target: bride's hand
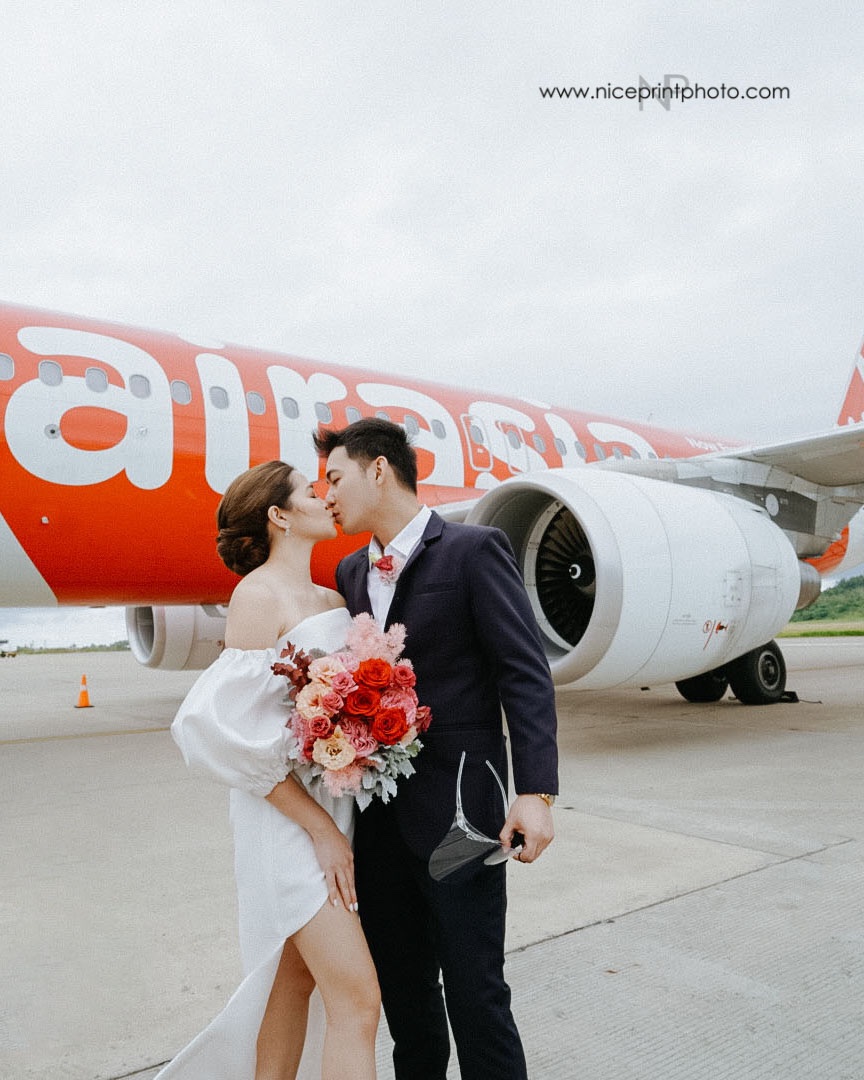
x=332 y=849
x=337 y=861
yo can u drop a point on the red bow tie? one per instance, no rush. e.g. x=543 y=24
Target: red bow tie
x=386 y=565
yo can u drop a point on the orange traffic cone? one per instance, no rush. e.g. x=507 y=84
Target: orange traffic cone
x=83 y=696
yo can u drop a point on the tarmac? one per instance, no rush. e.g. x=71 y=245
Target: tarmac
x=699 y=914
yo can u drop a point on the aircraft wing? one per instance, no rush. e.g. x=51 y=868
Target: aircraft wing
x=832 y=459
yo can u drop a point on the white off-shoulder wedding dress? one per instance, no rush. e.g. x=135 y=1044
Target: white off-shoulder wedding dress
x=231 y=727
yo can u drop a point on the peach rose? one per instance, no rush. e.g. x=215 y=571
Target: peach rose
x=325 y=669
x=335 y=752
x=310 y=701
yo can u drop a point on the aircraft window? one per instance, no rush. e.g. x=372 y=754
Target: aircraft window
x=438 y=429
x=50 y=373
x=599 y=452
x=96 y=380
x=411 y=426
x=513 y=439
x=323 y=412
x=382 y=415
x=7 y=366
x=477 y=434
x=561 y=447
x=652 y=455
x=634 y=453
x=219 y=397
x=352 y=415
x=539 y=444
x=290 y=408
x=580 y=450
x=617 y=452
x=140 y=386
x=256 y=403
x=181 y=392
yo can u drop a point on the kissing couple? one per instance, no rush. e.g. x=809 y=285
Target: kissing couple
x=338 y=911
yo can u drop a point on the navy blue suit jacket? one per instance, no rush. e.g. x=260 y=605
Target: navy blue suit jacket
x=475 y=646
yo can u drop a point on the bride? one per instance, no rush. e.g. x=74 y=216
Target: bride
x=309 y=1003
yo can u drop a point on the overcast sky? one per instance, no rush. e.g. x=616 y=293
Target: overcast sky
x=383 y=184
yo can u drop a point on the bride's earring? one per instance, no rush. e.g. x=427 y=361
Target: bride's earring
x=287 y=530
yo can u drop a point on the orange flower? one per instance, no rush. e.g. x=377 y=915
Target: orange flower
x=375 y=673
x=389 y=726
x=362 y=702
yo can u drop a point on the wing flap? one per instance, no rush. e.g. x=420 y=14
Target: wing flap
x=833 y=459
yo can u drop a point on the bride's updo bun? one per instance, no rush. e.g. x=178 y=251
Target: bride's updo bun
x=243 y=542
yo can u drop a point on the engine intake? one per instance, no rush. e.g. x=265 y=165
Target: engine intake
x=176 y=638
x=635 y=580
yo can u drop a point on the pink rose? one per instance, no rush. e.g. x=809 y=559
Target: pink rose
x=343 y=683
x=319 y=727
x=332 y=702
x=403 y=675
x=423 y=717
x=358 y=734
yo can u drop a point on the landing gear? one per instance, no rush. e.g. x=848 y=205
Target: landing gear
x=710 y=686
x=756 y=678
x=759 y=676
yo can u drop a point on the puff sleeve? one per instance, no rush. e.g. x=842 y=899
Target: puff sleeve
x=231 y=725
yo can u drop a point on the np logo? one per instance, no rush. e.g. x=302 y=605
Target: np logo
x=663 y=92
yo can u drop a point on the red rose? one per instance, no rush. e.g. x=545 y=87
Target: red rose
x=389 y=726
x=362 y=702
x=374 y=673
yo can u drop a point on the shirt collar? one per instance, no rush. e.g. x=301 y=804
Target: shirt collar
x=404 y=542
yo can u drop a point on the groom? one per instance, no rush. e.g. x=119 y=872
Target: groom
x=475 y=647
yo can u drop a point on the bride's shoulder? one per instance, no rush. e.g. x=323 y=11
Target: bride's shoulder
x=253 y=617
x=331 y=598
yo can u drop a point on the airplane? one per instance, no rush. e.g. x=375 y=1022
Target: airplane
x=650 y=556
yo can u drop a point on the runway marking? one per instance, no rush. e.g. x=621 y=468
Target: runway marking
x=82 y=735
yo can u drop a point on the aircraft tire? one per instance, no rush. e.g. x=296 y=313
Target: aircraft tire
x=759 y=676
x=710 y=686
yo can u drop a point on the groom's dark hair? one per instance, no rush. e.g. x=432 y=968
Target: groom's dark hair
x=369 y=438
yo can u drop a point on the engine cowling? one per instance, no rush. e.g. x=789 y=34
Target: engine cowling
x=637 y=581
x=176 y=638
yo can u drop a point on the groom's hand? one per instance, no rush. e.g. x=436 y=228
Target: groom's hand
x=530 y=816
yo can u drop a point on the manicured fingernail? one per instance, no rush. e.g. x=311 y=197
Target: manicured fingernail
x=355 y=906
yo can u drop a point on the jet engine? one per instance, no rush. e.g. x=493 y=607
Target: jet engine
x=636 y=581
x=176 y=638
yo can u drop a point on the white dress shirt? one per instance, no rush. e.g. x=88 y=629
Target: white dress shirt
x=400 y=547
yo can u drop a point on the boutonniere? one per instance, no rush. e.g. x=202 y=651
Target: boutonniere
x=387 y=566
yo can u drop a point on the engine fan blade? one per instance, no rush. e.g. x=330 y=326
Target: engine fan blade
x=566 y=575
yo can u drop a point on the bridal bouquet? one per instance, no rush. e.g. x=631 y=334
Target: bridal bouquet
x=354 y=717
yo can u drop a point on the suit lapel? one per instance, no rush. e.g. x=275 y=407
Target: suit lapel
x=432 y=533
x=356 y=578
x=434 y=528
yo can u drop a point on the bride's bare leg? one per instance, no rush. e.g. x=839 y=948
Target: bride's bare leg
x=283 y=1029
x=334 y=949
